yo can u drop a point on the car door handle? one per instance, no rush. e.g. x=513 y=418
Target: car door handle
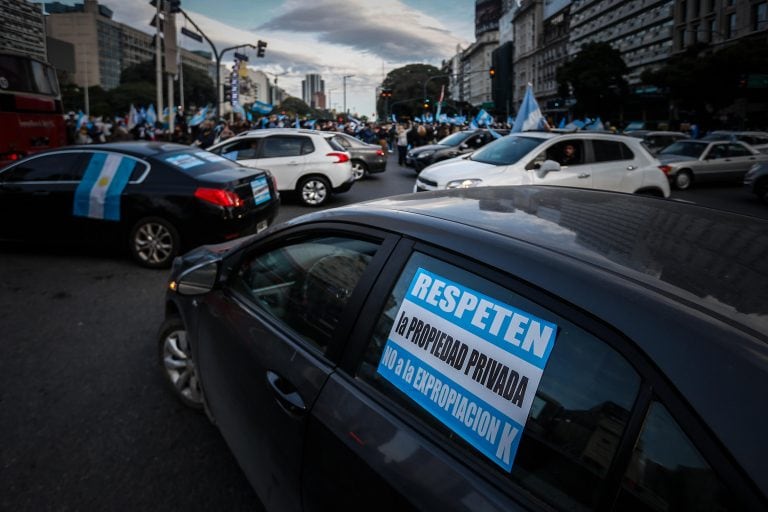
x=293 y=163
x=286 y=394
x=584 y=175
x=631 y=167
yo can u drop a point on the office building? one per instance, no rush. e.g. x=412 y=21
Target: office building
x=310 y=86
x=23 y=29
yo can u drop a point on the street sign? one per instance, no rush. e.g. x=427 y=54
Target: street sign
x=192 y=35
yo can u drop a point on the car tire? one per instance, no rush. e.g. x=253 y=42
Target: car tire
x=683 y=179
x=359 y=169
x=154 y=242
x=179 y=370
x=313 y=190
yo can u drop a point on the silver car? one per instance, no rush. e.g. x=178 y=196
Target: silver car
x=689 y=161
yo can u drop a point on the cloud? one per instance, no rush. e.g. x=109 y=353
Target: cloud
x=386 y=29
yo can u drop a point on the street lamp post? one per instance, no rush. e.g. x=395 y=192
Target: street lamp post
x=345 y=91
x=218 y=56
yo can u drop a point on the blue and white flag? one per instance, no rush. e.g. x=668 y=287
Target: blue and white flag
x=353 y=120
x=529 y=116
x=249 y=116
x=165 y=113
x=199 y=117
x=483 y=118
x=133 y=117
x=394 y=119
x=297 y=121
x=575 y=125
x=264 y=122
x=417 y=119
x=311 y=123
x=428 y=117
x=596 y=125
x=562 y=123
x=151 y=116
x=238 y=109
x=261 y=107
x=496 y=135
x=443 y=118
x=98 y=194
x=82 y=119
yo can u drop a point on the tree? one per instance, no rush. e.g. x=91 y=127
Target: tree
x=407 y=86
x=198 y=85
x=296 y=106
x=596 y=78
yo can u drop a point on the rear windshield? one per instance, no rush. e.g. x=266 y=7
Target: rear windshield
x=507 y=150
x=687 y=148
x=196 y=162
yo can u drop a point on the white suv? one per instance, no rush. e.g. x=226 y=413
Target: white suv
x=309 y=162
x=596 y=160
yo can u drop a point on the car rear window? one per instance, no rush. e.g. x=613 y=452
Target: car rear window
x=196 y=162
x=337 y=143
x=611 y=150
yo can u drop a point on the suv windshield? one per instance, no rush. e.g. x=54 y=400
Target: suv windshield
x=507 y=150
x=455 y=139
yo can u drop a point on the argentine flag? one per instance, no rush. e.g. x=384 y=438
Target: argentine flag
x=529 y=116
x=105 y=178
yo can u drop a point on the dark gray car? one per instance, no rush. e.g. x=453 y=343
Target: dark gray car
x=520 y=348
x=365 y=158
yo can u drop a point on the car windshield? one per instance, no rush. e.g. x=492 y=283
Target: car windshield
x=506 y=150
x=685 y=148
x=454 y=139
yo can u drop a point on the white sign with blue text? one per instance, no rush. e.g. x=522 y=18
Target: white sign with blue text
x=470 y=360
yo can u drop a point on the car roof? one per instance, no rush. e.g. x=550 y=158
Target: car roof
x=141 y=149
x=657 y=270
x=273 y=131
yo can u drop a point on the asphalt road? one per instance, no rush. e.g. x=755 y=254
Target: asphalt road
x=86 y=422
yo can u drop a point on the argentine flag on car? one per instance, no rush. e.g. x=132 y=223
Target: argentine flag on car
x=105 y=178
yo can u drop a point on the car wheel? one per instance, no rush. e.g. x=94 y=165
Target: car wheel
x=313 y=190
x=154 y=242
x=359 y=169
x=177 y=363
x=683 y=179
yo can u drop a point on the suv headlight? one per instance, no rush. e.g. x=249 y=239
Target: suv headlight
x=467 y=183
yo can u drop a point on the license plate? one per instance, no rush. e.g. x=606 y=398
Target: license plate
x=261 y=226
x=260 y=189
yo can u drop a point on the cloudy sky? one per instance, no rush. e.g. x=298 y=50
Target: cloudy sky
x=364 y=38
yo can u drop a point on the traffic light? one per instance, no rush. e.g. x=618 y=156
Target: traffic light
x=262 y=45
x=492 y=72
x=175 y=6
x=426 y=104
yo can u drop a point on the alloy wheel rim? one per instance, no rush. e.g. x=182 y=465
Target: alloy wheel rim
x=314 y=192
x=180 y=367
x=153 y=242
x=683 y=180
x=357 y=170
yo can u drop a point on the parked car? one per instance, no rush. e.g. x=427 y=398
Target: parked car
x=518 y=348
x=756 y=180
x=456 y=144
x=655 y=141
x=688 y=161
x=159 y=198
x=303 y=161
x=758 y=140
x=365 y=158
x=602 y=161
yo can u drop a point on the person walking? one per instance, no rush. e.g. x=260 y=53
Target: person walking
x=402 y=143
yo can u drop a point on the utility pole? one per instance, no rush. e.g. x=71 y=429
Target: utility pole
x=344 y=80
x=158 y=61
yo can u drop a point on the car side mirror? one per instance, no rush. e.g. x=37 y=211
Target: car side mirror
x=546 y=167
x=463 y=145
x=198 y=280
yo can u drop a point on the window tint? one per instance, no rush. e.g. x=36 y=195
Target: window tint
x=738 y=150
x=566 y=152
x=306 y=285
x=667 y=473
x=579 y=411
x=610 y=151
x=280 y=145
x=718 y=151
x=239 y=150
x=507 y=150
x=56 y=167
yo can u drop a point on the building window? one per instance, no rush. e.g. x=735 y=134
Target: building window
x=683 y=10
x=731 y=29
x=760 y=16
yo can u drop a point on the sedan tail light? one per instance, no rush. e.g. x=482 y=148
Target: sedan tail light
x=666 y=169
x=342 y=157
x=218 y=196
x=379 y=152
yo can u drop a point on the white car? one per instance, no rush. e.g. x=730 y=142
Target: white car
x=597 y=160
x=309 y=162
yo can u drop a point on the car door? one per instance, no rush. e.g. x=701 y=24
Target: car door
x=266 y=343
x=614 y=167
x=37 y=195
x=715 y=164
x=383 y=433
x=577 y=172
x=286 y=157
x=242 y=150
x=742 y=159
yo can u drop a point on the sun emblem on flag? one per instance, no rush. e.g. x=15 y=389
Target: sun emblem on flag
x=103 y=182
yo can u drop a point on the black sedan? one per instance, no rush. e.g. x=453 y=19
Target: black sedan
x=520 y=348
x=454 y=145
x=160 y=198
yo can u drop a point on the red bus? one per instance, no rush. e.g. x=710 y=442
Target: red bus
x=31 y=114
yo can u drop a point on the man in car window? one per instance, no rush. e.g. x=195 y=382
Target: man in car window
x=569 y=156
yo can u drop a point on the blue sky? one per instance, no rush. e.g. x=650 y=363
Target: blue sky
x=364 y=38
